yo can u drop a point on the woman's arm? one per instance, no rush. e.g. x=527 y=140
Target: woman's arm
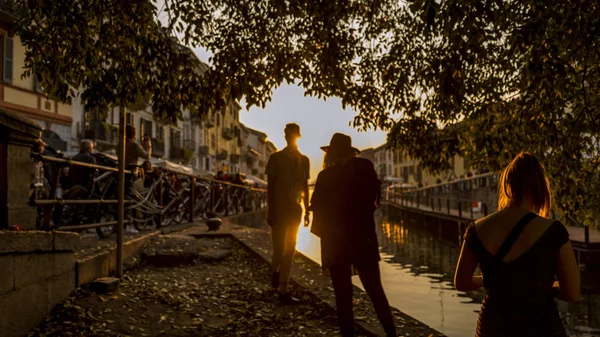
x=567 y=287
x=464 y=280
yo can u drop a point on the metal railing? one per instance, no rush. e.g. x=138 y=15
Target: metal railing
x=167 y=197
x=467 y=198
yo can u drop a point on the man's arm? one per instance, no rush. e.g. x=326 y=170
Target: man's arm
x=305 y=193
x=141 y=153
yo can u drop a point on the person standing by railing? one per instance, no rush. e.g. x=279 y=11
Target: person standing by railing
x=134 y=150
x=83 y=176
x=520 y=252
x=288 y=173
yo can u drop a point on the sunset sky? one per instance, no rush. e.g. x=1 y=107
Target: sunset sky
x=318 y=121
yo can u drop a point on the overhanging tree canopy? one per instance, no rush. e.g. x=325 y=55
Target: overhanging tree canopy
x=508 y=75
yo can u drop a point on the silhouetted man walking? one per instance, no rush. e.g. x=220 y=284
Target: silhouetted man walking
x=288 y=174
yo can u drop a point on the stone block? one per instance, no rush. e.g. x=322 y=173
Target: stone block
x=32 y=268
x=25 y=242
x=58 y=289
x=104 y=285
x=92 y=268
x=62 y=262
x=66 y=241
x=22 y=309
x=7 y=273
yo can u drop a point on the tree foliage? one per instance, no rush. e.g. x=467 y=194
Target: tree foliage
x=506 y=76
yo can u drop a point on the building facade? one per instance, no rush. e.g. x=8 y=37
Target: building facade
x=25 y=96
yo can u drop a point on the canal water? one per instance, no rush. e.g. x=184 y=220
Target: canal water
x=417 y=271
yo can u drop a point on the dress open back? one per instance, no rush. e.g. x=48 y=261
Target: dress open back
x=520 y=301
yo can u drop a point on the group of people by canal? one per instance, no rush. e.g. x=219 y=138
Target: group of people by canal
x=523 y=259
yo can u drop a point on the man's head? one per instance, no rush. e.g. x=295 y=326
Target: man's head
x=292 y=133
x=130 y=132
x=86 y=145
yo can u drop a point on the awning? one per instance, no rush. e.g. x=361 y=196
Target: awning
x=256 y=180
x=170 y=166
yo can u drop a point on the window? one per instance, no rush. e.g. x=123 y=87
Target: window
x=7 y=59
x=129 y=118
x=146 y=127
x=213 y=141
x=160 y=132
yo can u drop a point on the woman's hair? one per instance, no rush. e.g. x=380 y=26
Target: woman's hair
x=524 y=179
x=335 y=157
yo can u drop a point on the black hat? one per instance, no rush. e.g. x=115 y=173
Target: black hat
x=292 y=129
x=340 y=142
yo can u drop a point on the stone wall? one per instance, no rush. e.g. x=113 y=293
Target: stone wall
x=18 y=171
x=37 y=271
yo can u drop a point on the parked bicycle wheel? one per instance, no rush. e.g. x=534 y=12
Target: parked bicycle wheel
x=107 y=215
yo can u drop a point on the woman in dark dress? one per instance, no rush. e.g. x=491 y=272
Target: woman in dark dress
x=520 y=253
x=343 y=202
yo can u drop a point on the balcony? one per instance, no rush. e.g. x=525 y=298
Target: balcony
x=104 y=132
x=203 y=150
x=222 y=155
x=189 y=144
x=209 y=122
x=182 y=155
x=228 y=134
x=158 y=148
x=234 y=159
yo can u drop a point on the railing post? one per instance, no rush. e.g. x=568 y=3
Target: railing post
x=159 y=216
x=586 y=235
x=192 y=198
x=226 y=191
x=459 y=211
x=448 y=205
x=471 y=209
x=439 y=204
x=121 y=191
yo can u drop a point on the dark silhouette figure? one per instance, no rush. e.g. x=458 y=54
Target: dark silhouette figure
x=346 y=195
x=83 y=176
x=287 y=189
x=519 y=252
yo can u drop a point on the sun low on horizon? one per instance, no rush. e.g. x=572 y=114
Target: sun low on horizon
x=318 y=120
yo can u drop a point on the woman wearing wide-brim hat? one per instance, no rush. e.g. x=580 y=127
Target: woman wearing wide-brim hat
x=345 y=196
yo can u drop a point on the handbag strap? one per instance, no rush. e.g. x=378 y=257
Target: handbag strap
x=505 y=248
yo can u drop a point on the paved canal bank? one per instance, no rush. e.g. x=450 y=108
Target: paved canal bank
x=418 y=273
